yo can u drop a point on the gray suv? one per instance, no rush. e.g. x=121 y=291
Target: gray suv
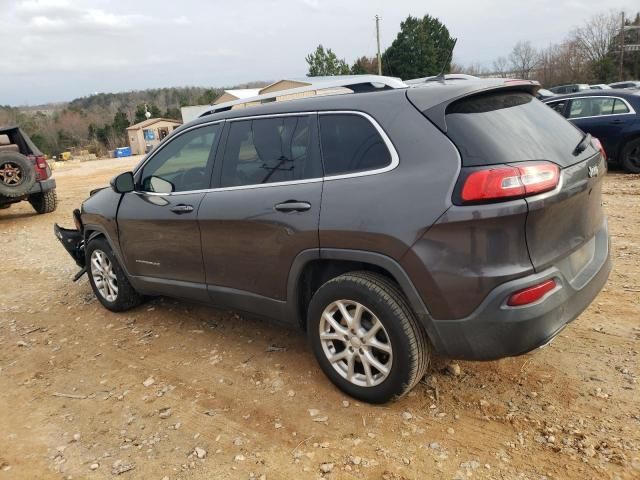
x=392 y=223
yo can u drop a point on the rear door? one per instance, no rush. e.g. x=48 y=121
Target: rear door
x=158 y=228
x=266 y=207
x=507 y=127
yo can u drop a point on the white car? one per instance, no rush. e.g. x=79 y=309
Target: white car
x=628 y=84
x=600 y=86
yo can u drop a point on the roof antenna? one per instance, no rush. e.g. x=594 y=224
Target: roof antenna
x=440 y=77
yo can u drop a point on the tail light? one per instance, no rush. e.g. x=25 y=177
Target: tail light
x=518 y=81
x=531 y=294
x=598 y=146
x=495 y=183
x=41 y=166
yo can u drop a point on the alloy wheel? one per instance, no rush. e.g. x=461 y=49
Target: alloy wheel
x=10 y=174
x=103 y=275
x=356 y=343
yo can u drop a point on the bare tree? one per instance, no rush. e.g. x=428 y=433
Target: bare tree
x=456 y=67
x=523 y=59
x=562 y=63
x=597 y=35
x=501 y=67
x=476 y=69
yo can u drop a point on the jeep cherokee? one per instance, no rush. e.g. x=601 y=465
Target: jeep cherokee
x=454 y=218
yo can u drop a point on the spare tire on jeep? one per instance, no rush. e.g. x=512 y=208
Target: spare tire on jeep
x=17 y=174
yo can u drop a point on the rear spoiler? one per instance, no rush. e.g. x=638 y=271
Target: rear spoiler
x=433 y=99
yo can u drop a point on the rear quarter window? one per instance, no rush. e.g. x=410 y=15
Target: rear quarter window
x=620 y=107
x=350 y=144
x=504 y=127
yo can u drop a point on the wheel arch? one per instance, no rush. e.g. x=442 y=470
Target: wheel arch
x=312 y=268
x=92 y=231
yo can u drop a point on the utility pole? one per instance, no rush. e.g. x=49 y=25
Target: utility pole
x=621 y=74
x=378 y=39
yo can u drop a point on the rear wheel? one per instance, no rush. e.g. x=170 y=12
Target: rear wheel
x=108 y=281
x=44 y=202
x=17 y=175
x=366 y=338
x=630 y=156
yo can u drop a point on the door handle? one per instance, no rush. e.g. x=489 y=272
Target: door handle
x=292 y=206
x=179 y=209
x=615 y=121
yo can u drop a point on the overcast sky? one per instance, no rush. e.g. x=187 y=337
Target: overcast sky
x=55 y=50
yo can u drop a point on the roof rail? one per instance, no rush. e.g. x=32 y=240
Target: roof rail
x=356 y=83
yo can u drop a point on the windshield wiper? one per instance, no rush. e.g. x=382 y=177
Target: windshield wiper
x=582 y=146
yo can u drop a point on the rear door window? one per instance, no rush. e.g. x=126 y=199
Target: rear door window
x=591 y=107
x=350 y=144
x=269 y=150
x=512 y=126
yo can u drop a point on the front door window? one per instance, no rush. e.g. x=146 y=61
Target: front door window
x=182 y=165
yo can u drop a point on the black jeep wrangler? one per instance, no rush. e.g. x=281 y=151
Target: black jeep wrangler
x=24 y=172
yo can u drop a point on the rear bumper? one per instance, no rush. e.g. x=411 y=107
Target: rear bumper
x=43 y=186
x=495 y=330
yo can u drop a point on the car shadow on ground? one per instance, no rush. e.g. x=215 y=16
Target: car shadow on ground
x=6 y=214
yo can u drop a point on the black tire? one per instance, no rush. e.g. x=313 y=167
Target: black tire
x=126 y=297
x=44 y=202
x=630 y=156
x=17 y=175
x=411 y=351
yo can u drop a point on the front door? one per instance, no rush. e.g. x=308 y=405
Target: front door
x=266 y=207
x=158 y=226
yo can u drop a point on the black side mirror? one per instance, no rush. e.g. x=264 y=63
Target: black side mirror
x=123 y=183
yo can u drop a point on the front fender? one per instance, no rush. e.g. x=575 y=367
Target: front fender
x=92 y=231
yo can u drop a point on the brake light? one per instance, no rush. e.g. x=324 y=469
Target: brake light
x=41 y=167
x=505 y=182
x=518 y=81
x=598 y=146
x=41 y=162
x=531 y=294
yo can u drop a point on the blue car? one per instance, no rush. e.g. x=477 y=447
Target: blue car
x=609 y=115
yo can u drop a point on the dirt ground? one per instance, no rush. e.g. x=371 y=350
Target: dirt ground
x=85 y=393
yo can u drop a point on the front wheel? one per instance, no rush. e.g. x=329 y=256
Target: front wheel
x=108 y=281
x=366 y=338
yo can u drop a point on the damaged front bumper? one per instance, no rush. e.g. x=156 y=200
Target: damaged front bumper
x=73 y=242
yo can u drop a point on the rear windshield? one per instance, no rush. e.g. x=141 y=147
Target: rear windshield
x=506 y=127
